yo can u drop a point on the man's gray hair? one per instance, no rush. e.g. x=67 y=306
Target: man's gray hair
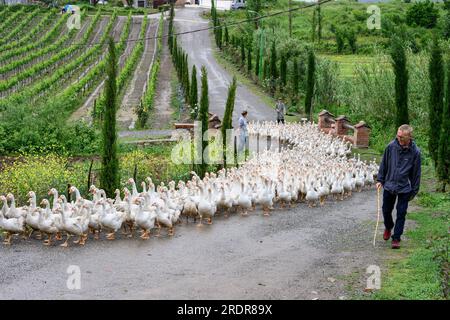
x=406 y=128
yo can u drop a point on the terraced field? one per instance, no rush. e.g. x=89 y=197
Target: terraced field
x=47 y=68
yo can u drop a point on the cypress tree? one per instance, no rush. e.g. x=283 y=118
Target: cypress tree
x=351 y=38
x=310 y=84
x=443 y=168
x=109 y=178
x=339 y=34
x=265 y=69
x=228 y=116
x=249 y=59
x=213 y=12
x=295 y=76
x=204 y=117
x=187 y=92
x=283 y=70
x=273 y=67
x=401 y=82
x=243 y=51
x=194 y=92
x=227 y=37
x=319 y=23
x=220 y=35
x=273 y=62
x=313 y=26
x=174 y=50
x=290 y=18
x=178 y=64
x=170 y=38
x=257 y=58
x=436 y=107
x=217 y=34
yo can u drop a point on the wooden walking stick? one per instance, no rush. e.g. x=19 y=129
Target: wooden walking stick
x=378 y=215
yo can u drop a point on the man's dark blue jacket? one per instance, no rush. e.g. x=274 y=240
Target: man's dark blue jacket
x=400 y=168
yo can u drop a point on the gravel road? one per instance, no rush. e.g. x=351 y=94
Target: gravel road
x=298 y=253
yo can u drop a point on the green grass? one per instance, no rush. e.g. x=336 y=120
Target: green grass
x=418 y=276
x=416 y=270
x=348 y=62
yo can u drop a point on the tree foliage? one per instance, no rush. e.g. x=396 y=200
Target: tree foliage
x=401 y=82
x=109 y=178
x=436 y=102
x=422 y=14
x=443 y=167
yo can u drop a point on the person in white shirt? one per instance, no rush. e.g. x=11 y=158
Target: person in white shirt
x=243 y=131
x=281 y=111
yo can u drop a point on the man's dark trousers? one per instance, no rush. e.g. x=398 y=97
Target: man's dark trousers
x=388 y=206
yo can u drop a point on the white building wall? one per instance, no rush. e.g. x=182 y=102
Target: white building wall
x=220 y=4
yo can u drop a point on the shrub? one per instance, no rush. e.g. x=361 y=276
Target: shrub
x=39 y=173
x=423 y=14
x=151 y=163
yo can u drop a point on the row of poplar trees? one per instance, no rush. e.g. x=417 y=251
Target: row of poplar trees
x=190 y=90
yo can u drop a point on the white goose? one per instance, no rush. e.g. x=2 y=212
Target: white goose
x=48 y=222
x=11 y=226
x=145 y=219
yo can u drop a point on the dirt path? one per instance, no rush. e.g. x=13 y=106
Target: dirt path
x=98 y=30
x=86 y=23
x=126 y=116
x=298 y=253
x=162 y=112
x=198 y=47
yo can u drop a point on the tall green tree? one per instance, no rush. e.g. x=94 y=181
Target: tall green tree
x=443 y=168
x=203 y=118
x=227 y=36
x=213 y=12
x=187 y=92
x=351 y=38
x=401 y=82
x=283 y=70
x=313 y=26
x=265 y=69
x=249 y=59
x=290 y=18
x=243 y=51
x=194 y=91
x=228 y=117
x=295 y=76
x=436 y=102
x=339 y=34
x=170 y=37
x=273 y=67
x=319 y=23
x=446 y=28
x=257 y=58
x=109 y=178
x=310 y=83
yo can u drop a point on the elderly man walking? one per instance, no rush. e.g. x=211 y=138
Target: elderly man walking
x=399 y=175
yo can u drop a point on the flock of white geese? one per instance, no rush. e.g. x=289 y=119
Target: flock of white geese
x=314 y=168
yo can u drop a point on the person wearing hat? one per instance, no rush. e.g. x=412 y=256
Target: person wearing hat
x=243 y=130
x=281 y=110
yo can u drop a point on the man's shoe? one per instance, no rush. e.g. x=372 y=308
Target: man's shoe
x=386 y=234
x=395 y=244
